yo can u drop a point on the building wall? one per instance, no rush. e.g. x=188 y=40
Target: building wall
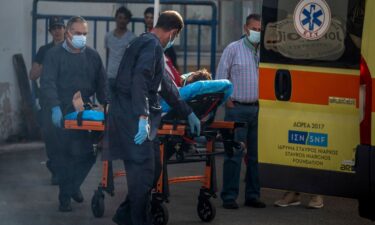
x=16 y=24
x=15 y=17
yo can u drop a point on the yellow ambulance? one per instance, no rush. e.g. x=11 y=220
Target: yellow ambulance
x=316 y=99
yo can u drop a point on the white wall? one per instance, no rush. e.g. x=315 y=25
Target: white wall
x=16 y=37
x=15 y=24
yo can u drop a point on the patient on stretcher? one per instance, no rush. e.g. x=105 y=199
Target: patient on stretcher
x=199 y=83
x=202 y=94
x=195 y=84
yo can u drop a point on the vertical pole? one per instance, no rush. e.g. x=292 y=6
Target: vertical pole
x=199 y=47
x=95 y=32
x=156 y=11
x=33 y=39
x=185 y=48
x=46 y=31
x=33 y=47
x=213 y=40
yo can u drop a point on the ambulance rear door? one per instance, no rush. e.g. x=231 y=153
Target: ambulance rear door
x=309 y=95
x=365 y=155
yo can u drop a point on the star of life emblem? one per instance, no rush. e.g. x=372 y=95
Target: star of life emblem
x=312 y=18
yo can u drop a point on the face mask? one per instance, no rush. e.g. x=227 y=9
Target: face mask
x=169 y=44
x=254 y=36
x=79 y=41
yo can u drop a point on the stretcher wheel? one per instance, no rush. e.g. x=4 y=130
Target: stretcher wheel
x=160 y=214
x=206 y=210
x=97 y=204
x=180 y=156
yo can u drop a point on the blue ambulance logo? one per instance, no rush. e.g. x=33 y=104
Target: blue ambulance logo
x=312 y=18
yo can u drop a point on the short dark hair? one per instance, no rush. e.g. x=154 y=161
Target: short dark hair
x=55 y=21
x=125 y=11
x=75 y=19
x=149 y=10
x=169 y=20
x=198 y=75
x=256 y=17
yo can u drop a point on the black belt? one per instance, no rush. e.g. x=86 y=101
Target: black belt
x=256 y=103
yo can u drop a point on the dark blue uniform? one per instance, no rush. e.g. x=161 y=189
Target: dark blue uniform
x=139 y=84
x=65 y=73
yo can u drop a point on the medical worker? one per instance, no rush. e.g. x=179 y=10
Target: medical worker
x=135 y=113
x=68 y=68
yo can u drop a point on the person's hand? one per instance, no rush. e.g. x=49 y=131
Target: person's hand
x=229 y=104
x=195 y=124
x=36 y=71
x=56 y=116
x=143 y=131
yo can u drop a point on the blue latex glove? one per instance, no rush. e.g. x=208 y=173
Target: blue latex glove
x=143 y=131
x=56 y=116
x=195 y=124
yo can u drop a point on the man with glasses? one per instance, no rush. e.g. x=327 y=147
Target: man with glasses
x=67 y=69
x=56 y=29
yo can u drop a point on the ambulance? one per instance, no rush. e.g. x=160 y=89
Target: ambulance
x=316 y=118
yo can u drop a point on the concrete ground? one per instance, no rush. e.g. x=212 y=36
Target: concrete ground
x=27 y=198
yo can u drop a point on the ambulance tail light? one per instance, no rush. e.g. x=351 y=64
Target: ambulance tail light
x=365 y=100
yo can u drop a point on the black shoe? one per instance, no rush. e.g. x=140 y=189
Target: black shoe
x=78 y=197
x=256 y=203
x=230 y=205
x=65 y=206
x=117 y=220
x=54 y=180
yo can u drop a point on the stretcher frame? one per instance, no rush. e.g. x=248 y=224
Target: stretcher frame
x=205 y=209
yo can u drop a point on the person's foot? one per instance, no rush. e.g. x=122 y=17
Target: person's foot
x=230 y=205
x=54 y=180
x=122 y=214
x=256 y=203
x=117 y=219
x=316 y=202
x=289 y=199
x=78 y=197
x=65 y=206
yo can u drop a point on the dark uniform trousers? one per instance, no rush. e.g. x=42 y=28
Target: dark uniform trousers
x=135 y=210
x=141 y=176
x=75 y=158
x=50 y=136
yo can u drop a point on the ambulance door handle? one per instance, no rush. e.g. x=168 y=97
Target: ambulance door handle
x=283 y=85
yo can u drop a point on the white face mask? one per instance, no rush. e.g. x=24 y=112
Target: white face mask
x=170 y=43
x=254 y=36
x=79 y=41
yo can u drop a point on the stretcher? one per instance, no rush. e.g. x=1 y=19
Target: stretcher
x=174 y=131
